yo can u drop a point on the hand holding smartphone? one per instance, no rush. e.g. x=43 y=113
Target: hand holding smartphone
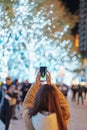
x=43 y=73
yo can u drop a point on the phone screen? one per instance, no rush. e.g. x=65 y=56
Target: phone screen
x=43 y=70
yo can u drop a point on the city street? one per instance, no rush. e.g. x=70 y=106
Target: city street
x=78 y=115
x=77 y=121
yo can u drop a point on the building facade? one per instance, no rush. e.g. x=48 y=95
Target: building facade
x=83 y=27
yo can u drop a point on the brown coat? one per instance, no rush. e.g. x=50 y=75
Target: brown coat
x=29 y=101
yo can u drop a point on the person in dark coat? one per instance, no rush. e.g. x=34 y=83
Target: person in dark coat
x=12 y=93
x=74 y=92
x=6 y=110
x=64 y=89
x=25 y=89
x=80 y=94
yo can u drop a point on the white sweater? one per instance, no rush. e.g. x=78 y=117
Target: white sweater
x=45 y=122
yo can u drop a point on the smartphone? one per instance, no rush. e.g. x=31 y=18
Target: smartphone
x=43 y=71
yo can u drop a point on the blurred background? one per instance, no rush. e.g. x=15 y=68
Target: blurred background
x=40 y=32
x=51 y=33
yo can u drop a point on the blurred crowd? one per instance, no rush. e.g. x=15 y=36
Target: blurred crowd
x=12 y=94
x=79 y=92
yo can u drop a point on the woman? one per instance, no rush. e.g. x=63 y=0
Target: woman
x=47 y=113
x=30 y=98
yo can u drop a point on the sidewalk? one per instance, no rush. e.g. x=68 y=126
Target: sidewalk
x=78 y=120
x=17 y=125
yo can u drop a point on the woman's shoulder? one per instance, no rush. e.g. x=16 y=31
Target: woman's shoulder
x=45 y=119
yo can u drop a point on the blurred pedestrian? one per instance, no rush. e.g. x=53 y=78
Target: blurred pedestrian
x=64 y=89
x=80 y=94
x=6 y=112
x=26 y=86
x=12 y=93
x=74 y=92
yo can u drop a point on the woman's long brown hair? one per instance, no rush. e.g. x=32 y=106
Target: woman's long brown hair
x=47 y=99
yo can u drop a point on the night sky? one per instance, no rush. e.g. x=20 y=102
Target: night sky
x=73 y=7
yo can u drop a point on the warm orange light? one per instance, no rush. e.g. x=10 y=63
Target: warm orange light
x=77 y=40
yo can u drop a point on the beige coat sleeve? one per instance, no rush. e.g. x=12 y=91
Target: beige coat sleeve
x=27 y=120
x=28 y=103
x=64 y=104
x=29 y=99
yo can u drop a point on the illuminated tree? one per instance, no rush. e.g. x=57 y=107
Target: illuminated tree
x=35 y=33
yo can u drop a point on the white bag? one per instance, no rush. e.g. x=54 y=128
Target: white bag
x=2 y=125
